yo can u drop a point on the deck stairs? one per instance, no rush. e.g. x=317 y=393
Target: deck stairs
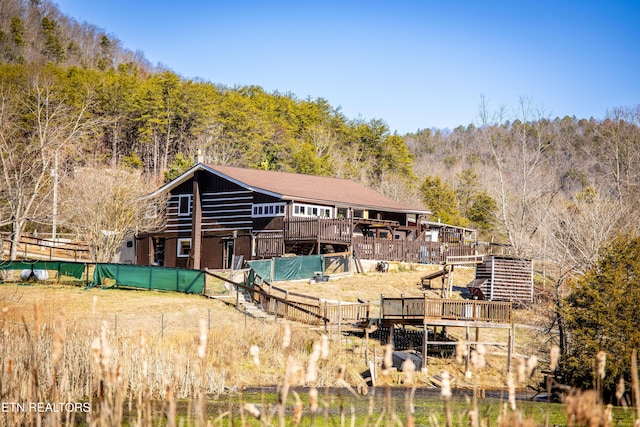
x=247 y=305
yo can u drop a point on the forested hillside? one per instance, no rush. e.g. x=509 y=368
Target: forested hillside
x=73 y=101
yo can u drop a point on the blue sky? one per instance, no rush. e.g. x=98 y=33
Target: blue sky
x=413 y=64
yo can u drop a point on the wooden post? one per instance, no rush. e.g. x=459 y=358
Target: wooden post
x=468 y=347
x=286 y=306
x=425 y=340
x=450 y=291
x=366 y=346
x=340 y=322
x=510 y=347
x=196 y=221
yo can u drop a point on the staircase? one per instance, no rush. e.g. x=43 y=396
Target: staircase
x=243 y=301
x=247 y=306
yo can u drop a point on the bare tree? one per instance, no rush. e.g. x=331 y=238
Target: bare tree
x=103 y=205
x=572 y=240
x=218 y=148
x=522 y=182
x=37 y=128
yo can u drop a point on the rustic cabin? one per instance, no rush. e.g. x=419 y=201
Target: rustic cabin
x=217 y=214
x=503 y=278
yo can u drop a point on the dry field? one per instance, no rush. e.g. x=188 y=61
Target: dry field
x=118 y=345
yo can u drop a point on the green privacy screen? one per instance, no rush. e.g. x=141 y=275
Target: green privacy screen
x=145 y=277
x=73 y=269
x=289 y=268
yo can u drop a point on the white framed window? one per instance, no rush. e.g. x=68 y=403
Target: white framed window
x=300 y=209
x=184 y=248
x=268 y=210
x=184 y=204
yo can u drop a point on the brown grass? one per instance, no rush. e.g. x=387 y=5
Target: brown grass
x=126 y=349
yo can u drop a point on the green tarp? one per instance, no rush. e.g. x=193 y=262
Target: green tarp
x=73 y=269
x=289 y=268
x=262 y=268
x=146 y=277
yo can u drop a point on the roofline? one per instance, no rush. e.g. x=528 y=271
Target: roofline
x=449 y=225
x=201 y=166
x=355 y=205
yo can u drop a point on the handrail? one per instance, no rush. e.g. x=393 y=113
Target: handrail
x=415 y=308
x=260 y=292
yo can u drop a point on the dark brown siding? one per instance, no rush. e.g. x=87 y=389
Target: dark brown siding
x=227 y=210
x=143 y=251
x=264 y=198
x=213 y=247
x=170 y=251
x=274 y=223
x=212 y=251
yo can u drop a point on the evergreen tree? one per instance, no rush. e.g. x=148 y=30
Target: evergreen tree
x=440 y=198
x=601 y=314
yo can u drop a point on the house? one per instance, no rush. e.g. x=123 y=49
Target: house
x=216 y=214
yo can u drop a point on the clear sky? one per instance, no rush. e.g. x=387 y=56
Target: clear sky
x=414 y=64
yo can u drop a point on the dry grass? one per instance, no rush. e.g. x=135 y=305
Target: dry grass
x=134 y=354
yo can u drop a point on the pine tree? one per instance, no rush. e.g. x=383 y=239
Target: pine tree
x=601 y=314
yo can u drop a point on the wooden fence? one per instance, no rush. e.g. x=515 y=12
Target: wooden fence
x=30 y=247
x=298 y=307
x=269 y=244
x=412 y=251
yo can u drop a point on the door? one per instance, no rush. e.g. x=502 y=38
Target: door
x=228 y=253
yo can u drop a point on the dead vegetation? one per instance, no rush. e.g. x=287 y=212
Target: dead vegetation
x=134 y=355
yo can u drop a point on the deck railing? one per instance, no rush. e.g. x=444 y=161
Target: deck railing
x=298 y=307
x=269 y=244
x=415 y=251
x=468 y=310
x=417 y=308
x=318 y=229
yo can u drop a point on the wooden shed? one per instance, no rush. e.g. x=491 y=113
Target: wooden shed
x=503 y=278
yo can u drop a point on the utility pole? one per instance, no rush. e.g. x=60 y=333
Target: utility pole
x=54 y=211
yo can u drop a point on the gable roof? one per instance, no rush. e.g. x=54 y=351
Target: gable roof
x=303 y=188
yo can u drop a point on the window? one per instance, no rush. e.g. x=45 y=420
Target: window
x=184 y=248
x=184 y=204
x=311 y=211
x=268 y=209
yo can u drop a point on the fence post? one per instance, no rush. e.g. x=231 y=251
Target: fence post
x=340 y=321
x=286 y=306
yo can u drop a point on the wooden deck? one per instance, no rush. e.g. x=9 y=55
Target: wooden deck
x=340 y=232
x=445 y=312
x=430 y=312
